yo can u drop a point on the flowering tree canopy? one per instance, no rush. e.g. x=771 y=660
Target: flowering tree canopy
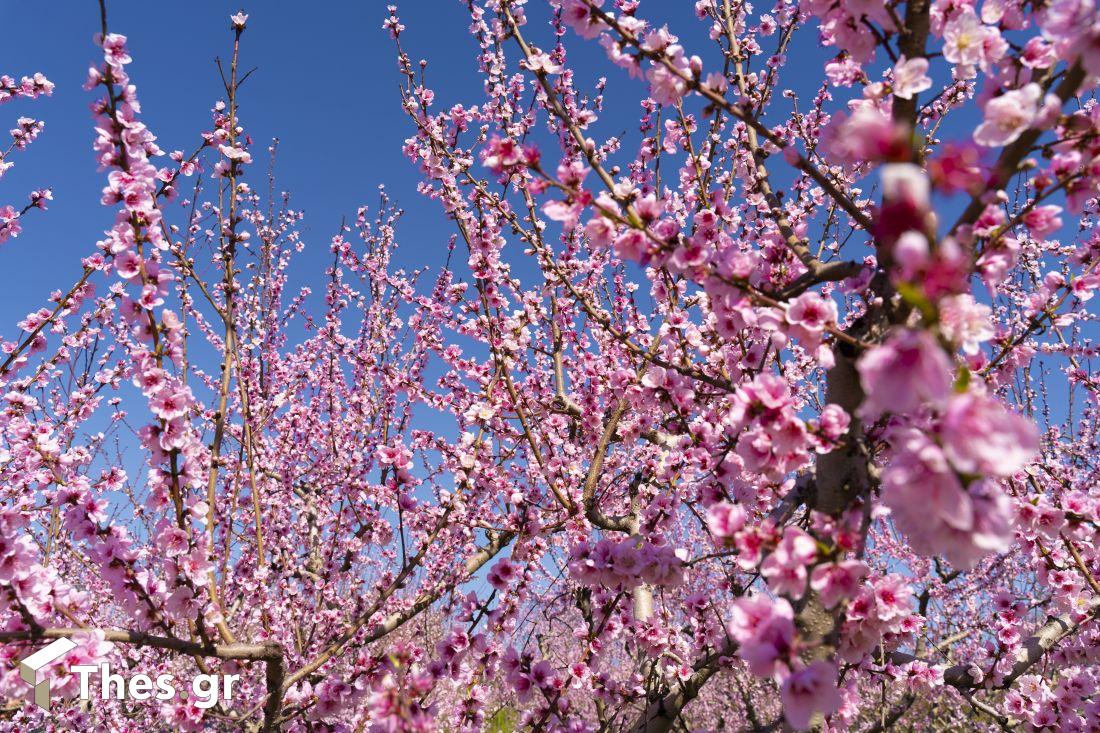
x=773 y=412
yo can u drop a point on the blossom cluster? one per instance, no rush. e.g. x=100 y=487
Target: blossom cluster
x=776 y=404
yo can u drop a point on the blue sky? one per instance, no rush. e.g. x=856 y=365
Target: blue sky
x=326 y=85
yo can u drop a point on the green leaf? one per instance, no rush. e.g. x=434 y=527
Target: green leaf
x=962 y=379
x=914 y=296
x=502 y=721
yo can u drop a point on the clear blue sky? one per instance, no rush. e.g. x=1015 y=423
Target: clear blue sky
x=326 y=85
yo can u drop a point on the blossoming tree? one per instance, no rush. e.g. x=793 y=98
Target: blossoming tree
x=776 y=412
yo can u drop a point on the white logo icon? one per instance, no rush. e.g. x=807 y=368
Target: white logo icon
x=28 y=668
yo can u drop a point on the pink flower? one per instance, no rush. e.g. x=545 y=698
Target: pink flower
x=667 y=86
x=577 y=15
x=182 y=604
x=930 y=505
x=725 y=519
x=540 y=63
x=755 y=449
x=174 y=436
x=567 y=212
x=600 y=231
x=716 y=82
x=911 y=255
x=907 y=372
x=627 y=561
x=796 y=548
x=128 y=264
x=170 y=403
x=1043 y=220
x=788 y=580
x=692 y=254
x=808 y=315
x=1007 y=116
x=956 y=167
x=632 y=245
x=394 y=455
x=502 y=154
x=151 y=380
x=9 y=223
x=965 y=321
x=893 y=599
x=196 y=566
x=503 y=574
x=172 y=541
x=235 y=154
x=766 y=390
x=809 y=691
x=17 y=557
x=966 y=41
x=765 y=631
x=910 y=77
x=835 y=582
x=905 y=183
x=1064 y=19
x=834 y=421
x=981 y=437
x=785 y=568
x=868 y=135
x=114 y=50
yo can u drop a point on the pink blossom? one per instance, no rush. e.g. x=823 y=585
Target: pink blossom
x=905 y=183
x=1007 y=116
x=600 y=231
x=725 y=519
x=907 y=372
x=981 y=437
x=834 y=421
x=1043 y=220
x=577 y=15
x=170 y=402
x=809 y=314
x=526 y=464
x=867 y=135
x=173 y=541
x=965 y=321
x=765 y=630
x=632 y=245
x=9 y=223
x=970 y=43
x=956 y=167
x=667 y=85
x=835 y=582
x=910 y=77
x=938 y=515
x=17 y=557
x=785 y=568
x=114 y=48
x=503 y=574
x=809 y=691
x=541 y=63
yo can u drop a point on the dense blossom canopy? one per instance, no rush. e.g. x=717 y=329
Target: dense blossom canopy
x=775 y=411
